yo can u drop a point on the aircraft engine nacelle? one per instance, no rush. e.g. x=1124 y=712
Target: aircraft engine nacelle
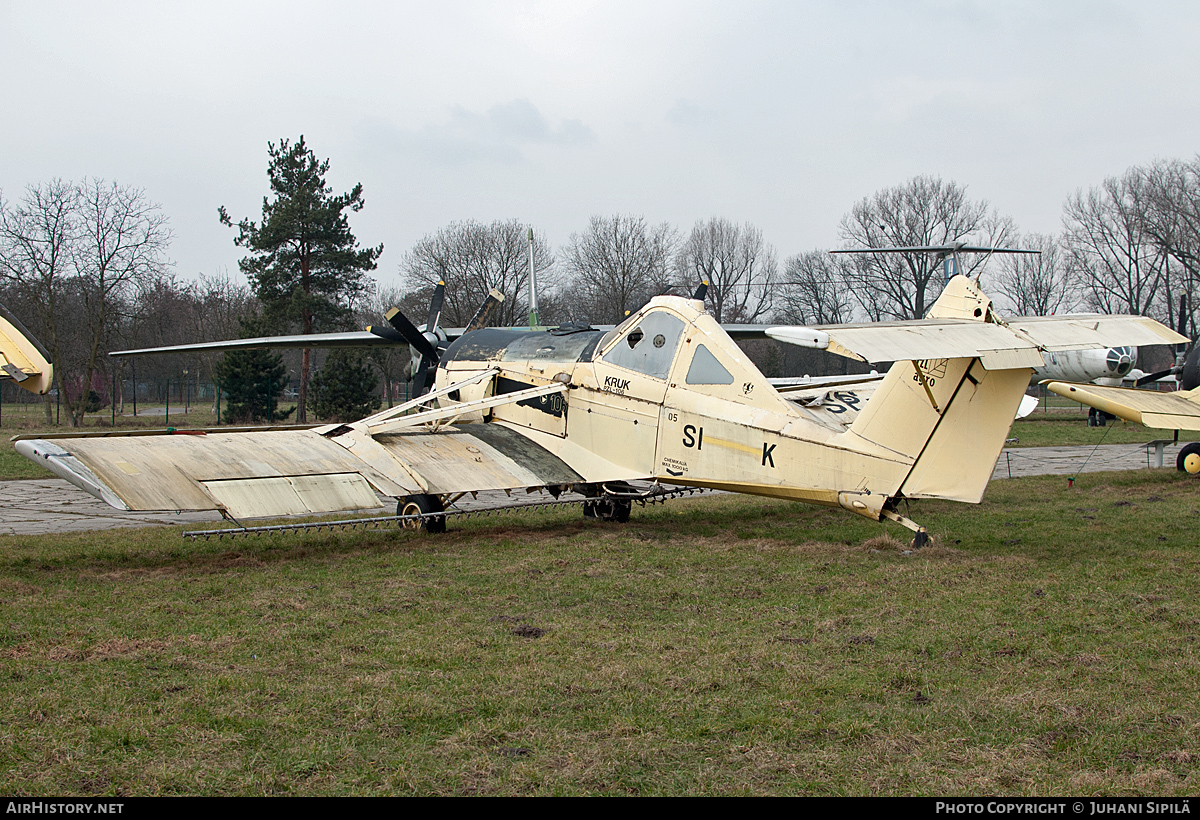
x=1101 y=366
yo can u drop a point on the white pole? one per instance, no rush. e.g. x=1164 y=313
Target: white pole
x=533 y=310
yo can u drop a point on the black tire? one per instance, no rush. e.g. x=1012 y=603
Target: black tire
x=608 y=509
x=413 y=504
x=1188 y=460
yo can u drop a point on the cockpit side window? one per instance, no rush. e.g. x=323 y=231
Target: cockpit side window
x=649 y=346
x=705 y=369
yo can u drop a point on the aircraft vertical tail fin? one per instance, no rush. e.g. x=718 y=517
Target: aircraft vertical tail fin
x=951 y=416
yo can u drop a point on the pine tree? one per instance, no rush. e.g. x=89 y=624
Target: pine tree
x=304 y=263
x=344 y=389
x=253 y=380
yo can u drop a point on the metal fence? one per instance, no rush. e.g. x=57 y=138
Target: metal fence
x=150 y=399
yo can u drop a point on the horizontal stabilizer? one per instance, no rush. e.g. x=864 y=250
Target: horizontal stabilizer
x=1014 y=344
x=998 y=347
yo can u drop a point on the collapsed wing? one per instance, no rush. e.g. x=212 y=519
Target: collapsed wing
x=265 y=473
x=1164 y=411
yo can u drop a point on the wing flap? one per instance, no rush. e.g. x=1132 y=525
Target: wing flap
x=293 y=495
x=1093 y=331
x=478 y=457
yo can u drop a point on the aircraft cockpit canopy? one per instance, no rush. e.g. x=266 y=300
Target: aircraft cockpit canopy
x=648 y=347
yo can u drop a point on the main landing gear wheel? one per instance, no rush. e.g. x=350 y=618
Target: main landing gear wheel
x=608 y=509
x=1188 y=460
x=421 y=504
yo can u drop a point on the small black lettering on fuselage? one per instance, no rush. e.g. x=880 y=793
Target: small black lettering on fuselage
x=767 y=457
x=612 y=384
x=693 y=437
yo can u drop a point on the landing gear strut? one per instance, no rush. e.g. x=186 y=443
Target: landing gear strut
x=608 y=502
x=920 y=534
x=608 y=509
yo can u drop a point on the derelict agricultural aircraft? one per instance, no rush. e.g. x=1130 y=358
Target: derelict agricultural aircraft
x=666 y=397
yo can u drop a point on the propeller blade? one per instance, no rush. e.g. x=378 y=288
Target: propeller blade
x=1153 y=377
x=385 y=332
x=422 y=374
x=435 y=308
x=410 y=333
x=480 y=319
x=701 y=291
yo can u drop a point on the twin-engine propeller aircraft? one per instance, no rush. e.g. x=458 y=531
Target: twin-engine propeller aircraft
x=1179 y=410
x=666 y=396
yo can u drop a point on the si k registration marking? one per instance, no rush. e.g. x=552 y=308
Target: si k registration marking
x=694 y=437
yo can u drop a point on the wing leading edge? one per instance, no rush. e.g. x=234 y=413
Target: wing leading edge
x=1163 y=411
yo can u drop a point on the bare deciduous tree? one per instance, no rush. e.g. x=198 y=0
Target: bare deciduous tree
x=36 y=248
x=813 y=291
x=1119 y=265
x=738 y=265
x=472 y=258
x=1038 y=284
x=122 y=240
x=79 y=251
x=617 y=265
x=1167 y=194
x=923 y=211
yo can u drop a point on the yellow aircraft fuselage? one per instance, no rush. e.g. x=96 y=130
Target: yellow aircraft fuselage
x=668 y=395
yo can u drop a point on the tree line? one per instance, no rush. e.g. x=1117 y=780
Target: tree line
x=85 y=265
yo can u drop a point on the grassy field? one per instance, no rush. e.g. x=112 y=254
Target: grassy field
x=1045 y=644
x=1055 y=429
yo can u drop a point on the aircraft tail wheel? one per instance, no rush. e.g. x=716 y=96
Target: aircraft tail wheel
x=608 y=509
x=419 y=504
x=1188 y=460
x=920 y=538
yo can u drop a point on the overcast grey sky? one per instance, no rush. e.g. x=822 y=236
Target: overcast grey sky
x=779 y=113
